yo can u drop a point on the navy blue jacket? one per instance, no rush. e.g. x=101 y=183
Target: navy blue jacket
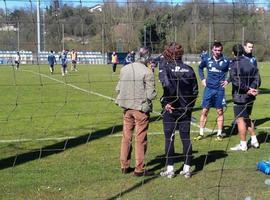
x=243 y=75
x=216 y=71
x=251 y=58
x=180 y=87
x=51 y=59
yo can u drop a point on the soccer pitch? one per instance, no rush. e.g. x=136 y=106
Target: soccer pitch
x=60 y=139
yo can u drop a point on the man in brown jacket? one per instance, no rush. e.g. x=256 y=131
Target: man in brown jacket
x=136 y=90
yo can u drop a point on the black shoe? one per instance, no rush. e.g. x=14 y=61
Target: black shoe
x=126 y=170
x=143 y=173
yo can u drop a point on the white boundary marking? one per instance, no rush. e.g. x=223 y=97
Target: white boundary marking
x=73 y=86
x=97 y=94
x=74 y=137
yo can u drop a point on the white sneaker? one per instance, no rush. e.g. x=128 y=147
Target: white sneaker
x=239 y=147
x=168 y=174
x=186 y=174
x=255 y=144
x=221 y=135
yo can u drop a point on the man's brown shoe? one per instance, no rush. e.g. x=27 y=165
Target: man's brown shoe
x=143 y=173
x=127 y=170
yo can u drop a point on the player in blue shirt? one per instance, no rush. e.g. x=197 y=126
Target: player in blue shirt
x=217 y=67
x=64 y=60
x=51 y=61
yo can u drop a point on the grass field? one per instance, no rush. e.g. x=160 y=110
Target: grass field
x=60 y=139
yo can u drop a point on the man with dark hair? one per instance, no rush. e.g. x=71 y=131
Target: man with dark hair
x=214 y=92
x=245 y=80
x=180 y=90
x=51 y=61
x=248 y=47
x=136 y=90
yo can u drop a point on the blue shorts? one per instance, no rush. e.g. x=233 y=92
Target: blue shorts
x=213 y=98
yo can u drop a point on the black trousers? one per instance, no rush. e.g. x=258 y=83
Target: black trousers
x=172 y=122
x=114 y=67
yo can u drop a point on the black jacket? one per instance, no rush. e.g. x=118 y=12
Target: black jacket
x=180 y=87
x=243 y=75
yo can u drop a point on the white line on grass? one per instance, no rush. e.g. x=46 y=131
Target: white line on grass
x=74 y=137
x=100 y=95
x=68 y=138
x=73 y=86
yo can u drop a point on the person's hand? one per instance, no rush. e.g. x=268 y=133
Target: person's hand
x=252 y=91
x=169 y=108
x=224 y=83
x=204 y=82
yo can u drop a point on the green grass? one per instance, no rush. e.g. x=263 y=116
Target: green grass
x=36 y=108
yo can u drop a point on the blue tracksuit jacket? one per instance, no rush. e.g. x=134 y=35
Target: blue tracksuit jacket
x=216 y=71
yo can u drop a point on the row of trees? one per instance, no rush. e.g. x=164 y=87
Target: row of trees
x=123 y=27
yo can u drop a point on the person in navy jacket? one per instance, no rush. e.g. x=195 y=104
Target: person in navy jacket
x=248 y=47
x=214 y=84
x=180 y=90
x=51 y=61
x=245 y=80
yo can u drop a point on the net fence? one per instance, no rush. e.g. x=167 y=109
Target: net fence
x=60 y=135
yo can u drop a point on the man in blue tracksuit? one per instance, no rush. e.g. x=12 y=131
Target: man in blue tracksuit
x=245 y=80
x=248 y=48
x=64 y=60
x=217 y=67
x=180 y=90
x=51 y=61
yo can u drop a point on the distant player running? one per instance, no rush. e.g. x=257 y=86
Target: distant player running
x=51 y=61
x=74 y=57
x=64 y=61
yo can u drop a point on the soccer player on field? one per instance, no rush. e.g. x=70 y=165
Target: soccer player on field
x=51 y=61
x=245 y=80
x=180 y=90
x=114 y=61
x=217 y=67
x=17 y=60
x=248 y=47
x=64 y=61
x=74 y=57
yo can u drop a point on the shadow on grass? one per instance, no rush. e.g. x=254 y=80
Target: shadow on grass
x=264 y=91
x=233 y=130
x=60 y=146
x=203 y=160
x=160 y=161
x=263 y=137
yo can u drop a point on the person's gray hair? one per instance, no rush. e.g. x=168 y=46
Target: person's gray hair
x=144 y=55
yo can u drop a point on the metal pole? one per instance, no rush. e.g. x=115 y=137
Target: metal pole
x=44 y=31
x=243 y=35
x=144 y=36
x=102 y=48
x=18 y=36
x=209 y=39
x=63 y=36
x=175 y=33
x=38 y=30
